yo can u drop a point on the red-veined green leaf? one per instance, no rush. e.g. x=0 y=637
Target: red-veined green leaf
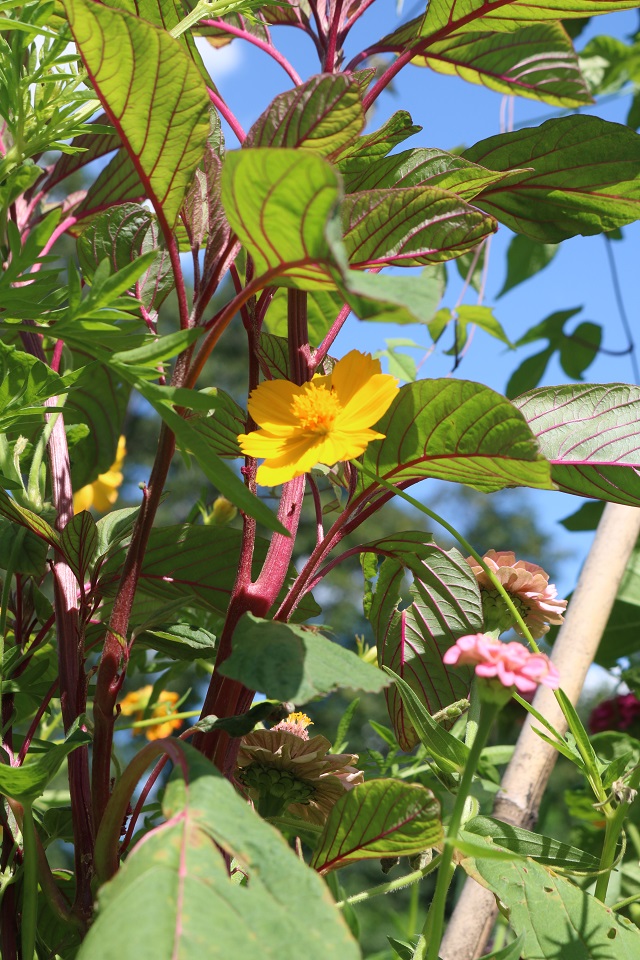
x=589 y=435
x=460 y=431
x=381 y=818
x=321 y=115
x=584 y=177
x=153 y=93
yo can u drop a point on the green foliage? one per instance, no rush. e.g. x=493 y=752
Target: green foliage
x=193 y=595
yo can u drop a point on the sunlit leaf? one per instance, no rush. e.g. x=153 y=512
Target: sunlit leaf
x=549 y=911
x=584 y=177
x=382 y=818
x=588 y=433
x=173 y=897
x=460 y=431
x=322 y=114
x=152 y=92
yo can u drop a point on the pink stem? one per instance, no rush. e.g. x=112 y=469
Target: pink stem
x=257 y=42
x=318 y=355
x=230 y=117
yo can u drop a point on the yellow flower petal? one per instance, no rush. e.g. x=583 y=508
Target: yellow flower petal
x=324 y=421
x=103 y=492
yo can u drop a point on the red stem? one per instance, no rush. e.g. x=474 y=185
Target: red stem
x=257 y=42
x=332 y=40
x=229 y=116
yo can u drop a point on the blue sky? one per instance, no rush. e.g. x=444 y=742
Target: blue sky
x=453 y=113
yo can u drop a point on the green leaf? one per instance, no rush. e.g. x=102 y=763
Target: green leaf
x=173 y=897
x=536 y=61
x=481 y=317
x=448 y=753
x=284 y=230
x=180 y=642
x=198 y=443
x=100 y=399
x=29 y=781
x=584 y=177
x=114 y=527
x=357 y=154
x=409 y=226
x=120 y=235
x=445 y=16
x=580 y=348
x=25 y=383
x=513 y=951
x=382 y=818
x=553 y=853
x=588 y=435
x=412 y=638
x=323 y=306
x=27 y=518
x=525 y=258
x=424 y=167
x=287 y=662
x=153 y=93
x=548 y=910
x=322 y=115
x=80 y=542
x=191 y=562
x=586 y=517
x=460 y=431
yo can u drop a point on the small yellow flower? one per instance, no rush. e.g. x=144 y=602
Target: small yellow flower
x=135 y=704
x=326 y=420
x=103 y=492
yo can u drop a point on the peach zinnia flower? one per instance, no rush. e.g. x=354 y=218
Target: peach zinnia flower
x=510 y=663
x=286 y=770
x=326 y=420
x=136 y=703
x=103 y=492
x=534 y=597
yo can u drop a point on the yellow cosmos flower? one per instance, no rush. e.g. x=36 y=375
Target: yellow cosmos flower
x=135 y=704
x=103 y=492
x=324 y=421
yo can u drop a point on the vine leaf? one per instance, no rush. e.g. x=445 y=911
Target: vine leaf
x=287 y=662
x=589 y=435
x=152 y=92
x=381 y=818
x=411 y=639
x=583 y=178
x=460 y=431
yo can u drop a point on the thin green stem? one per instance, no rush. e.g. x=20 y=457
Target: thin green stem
x=392 y=885
x=428 y=945
x=461 y=540
x=615 y=822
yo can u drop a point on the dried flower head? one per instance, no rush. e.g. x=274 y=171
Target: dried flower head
x=510 y=663
x=136 y=704
x=533 y=596
x=326 y=420
x=103 y=492
x=286 y=770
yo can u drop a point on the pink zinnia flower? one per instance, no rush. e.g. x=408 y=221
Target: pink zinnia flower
x=510 y=663
x=534 y=597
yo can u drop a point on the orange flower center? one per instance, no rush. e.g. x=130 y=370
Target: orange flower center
x=316 y=409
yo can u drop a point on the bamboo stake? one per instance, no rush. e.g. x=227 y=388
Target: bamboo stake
x=526 y=776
